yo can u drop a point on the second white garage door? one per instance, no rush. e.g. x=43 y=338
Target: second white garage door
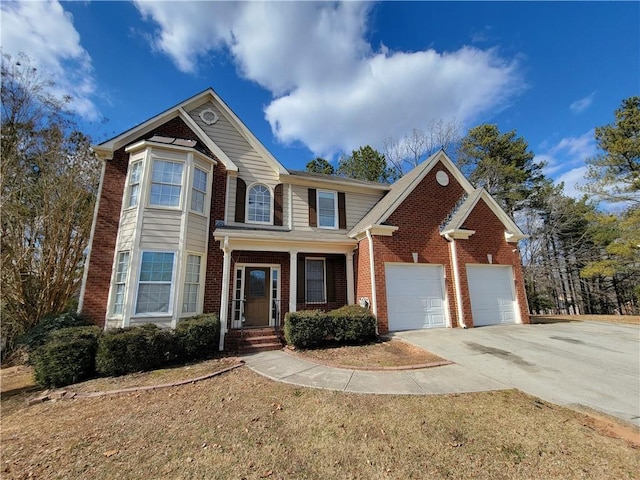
x=415 y=296
x=492 y=294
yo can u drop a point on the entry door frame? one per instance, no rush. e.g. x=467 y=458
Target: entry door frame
x=239 y=277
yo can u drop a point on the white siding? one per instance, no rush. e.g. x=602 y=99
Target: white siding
x=196 y=233
x=127 y=229
x=160 y=230
x=357 y=206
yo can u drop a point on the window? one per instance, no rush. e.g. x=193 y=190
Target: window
x=122 y=268
x=134 y=184
x=315 y=286
x=259 y=209
x=191 y=284
x=199 y=190
x=327 y=209
x=154 y=288
x=166 y=183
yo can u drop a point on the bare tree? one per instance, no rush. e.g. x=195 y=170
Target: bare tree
x=48 y=184
x=407 y=152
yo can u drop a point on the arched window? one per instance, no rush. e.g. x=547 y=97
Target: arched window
x=259 y=204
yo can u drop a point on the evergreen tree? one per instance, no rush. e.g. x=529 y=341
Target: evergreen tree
x=366 y=163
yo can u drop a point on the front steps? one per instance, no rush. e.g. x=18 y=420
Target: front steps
x=252 y=340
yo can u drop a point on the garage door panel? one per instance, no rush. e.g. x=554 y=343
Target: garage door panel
x=492 y=294
x=415 y=296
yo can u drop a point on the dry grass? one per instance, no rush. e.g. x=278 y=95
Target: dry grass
x=626 y=319
x=382 y=354
x=241 y=425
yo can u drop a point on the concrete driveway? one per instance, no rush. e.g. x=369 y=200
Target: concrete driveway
x=579 y=363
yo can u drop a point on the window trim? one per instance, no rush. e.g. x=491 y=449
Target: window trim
x=132 y=166
x=185 y=283
x=335 y=209
x=194 y=189
x=155 y=159
x=169 y=312
x=124 y=283
x=324 y=280
x=251 y=187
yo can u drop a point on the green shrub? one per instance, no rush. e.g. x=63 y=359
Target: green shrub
x=198 y=337
x=133 y=349
x=67 y=356
x=37 y=336
x=307 y=328
x=353 y=324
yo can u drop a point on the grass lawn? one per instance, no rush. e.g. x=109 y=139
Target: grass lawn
x=241 y=425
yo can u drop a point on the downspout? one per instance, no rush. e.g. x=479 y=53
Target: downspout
x=224 y=299
x=374 y=303
x=456 y=279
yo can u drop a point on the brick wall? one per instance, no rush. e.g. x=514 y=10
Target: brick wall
x=418 y=218
x=489 y=239
x=108 y=218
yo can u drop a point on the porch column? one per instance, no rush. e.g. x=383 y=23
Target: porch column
x=351 y=296
x=224 y=297
x=293 y=279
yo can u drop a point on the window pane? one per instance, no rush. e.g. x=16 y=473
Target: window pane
x=134 y=184
x=166 y=183
x=315 y=281
x=259 y=209
x=197 y=201
x=118 y=303
x=326 y=209
x=156 y=267
x=122 y=267
x=153 y=297
x=200 y=180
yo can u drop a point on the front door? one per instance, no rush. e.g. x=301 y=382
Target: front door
x=256 y=294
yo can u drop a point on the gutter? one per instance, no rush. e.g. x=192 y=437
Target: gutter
x=374 y=302
x=456 y=279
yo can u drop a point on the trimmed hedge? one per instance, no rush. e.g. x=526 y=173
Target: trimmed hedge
x=68 y=356
x=353 y=324
x=37 y=336
x=198 y=337
x=147 y=347
x=312 y=328
x=307 y=328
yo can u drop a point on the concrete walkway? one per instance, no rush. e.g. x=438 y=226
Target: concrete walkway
x=282 y=367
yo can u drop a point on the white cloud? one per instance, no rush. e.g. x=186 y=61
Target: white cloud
x=332 y=90
x=566 y=161
x=45 y=32
x=582 y=104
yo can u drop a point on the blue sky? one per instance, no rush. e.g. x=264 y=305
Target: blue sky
x=322 y=78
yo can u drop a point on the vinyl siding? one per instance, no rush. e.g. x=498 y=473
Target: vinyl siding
x=160 y=230
x=357 y=206
x=127 y=229
x=196 y=240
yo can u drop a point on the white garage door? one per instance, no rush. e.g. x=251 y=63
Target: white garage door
x=415 y=296
x=492 y=294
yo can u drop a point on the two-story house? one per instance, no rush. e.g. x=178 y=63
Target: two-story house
x=195 y=215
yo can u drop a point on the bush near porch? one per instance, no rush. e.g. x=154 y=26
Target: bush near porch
x=346 y=325
x=68 y=355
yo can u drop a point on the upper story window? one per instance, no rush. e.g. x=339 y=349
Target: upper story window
x=135 y=178
x=327 y=209
x=259 y=204
x=122 y=268
x=199 y=190
x=166 y=183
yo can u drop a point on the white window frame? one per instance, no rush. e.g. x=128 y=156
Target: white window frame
x=197 y=284
x=334 y=194
x=324 y=280
x=131 y=184
x=238 y=291
x=169 y=311
x=123 y=282
x=194 y=190
x=154 y=161
x=249 y=189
